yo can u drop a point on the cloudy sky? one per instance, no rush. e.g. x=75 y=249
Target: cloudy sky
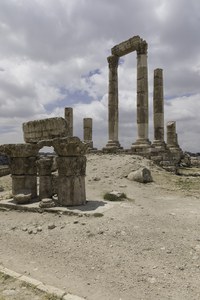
x=53 y=55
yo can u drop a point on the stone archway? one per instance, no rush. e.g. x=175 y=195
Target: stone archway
x=140 y=46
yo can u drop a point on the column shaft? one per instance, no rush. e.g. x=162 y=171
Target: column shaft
x=171 y=134
x=69 y=119
x=87 y=131
x=142 y=92
x=158 y=106
x=113 y=102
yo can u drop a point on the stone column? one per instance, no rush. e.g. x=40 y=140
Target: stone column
x=87 y=132
x=158 y=109
x=45 y=180
x=69 y=119
x=23 y=168
x=171 y=134
x=71 y=162
x=113 y=142
x=142 y=98
x=172 y=142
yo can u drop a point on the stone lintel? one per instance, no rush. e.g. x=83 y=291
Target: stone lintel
x=35 y=131
x=127 y=46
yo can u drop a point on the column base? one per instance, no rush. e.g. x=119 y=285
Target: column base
x=159 y=146
x=141 y=147
x=112 y=146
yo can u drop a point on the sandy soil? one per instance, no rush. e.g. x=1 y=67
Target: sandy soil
x=147 y=247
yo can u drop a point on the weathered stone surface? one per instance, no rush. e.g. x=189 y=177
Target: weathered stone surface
x=70 y=146
x=69 y=120
x=87 y=132
x=24 y=183
x=44 y=165
x=35 y=131
x=23 y=197
x=71 y=190
x=46 y=203
x=23 y=165
x=143 y=175
x=45 y=180
x=20 y=150
x=127 y=46
x=71 y=166
x=158 y=105
x=45 y=186
x=171 y=133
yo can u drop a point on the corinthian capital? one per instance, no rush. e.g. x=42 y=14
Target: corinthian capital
x=142 y=47
x=112 y=61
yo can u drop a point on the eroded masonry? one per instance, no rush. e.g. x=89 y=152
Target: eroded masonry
x=61 y=177
x=66 y=187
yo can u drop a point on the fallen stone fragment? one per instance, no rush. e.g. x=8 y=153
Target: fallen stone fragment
x=39 y=228
x=22 y=198
x=142 y=175
x=46 y=203
x=51 y=226
x=115 y=196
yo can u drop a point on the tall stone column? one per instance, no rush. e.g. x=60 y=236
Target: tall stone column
x=87 y=132
x=113 y=142
x=71 y=162
x=158 y=109
x=45 y=180
x=69 y=119
x=142 y=141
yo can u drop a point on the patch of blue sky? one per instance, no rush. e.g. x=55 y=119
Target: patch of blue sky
x=171 y=97
x=71 y=98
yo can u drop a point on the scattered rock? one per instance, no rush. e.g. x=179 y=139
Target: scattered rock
x=96 y=178
x=22 y=198
x=30 y=231
x=1 y=189
x=51 y=226
x=142 y=175
x=115 y=196
x=39 y=228
x=46 y=203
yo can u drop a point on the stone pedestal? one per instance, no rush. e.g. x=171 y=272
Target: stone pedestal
x=142 y=143
x=87 y=132
x=71 y=164
x=71 y=180
x=69 y=119
x=23 y=167
x=45 y=180
x=24 y=184
x=113 y=142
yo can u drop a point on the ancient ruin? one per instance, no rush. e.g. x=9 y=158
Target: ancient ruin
x=26 y=165
x=159 y=151
x=140 y=46
x=64 y=185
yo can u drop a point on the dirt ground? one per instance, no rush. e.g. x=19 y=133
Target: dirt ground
x=146 y=247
